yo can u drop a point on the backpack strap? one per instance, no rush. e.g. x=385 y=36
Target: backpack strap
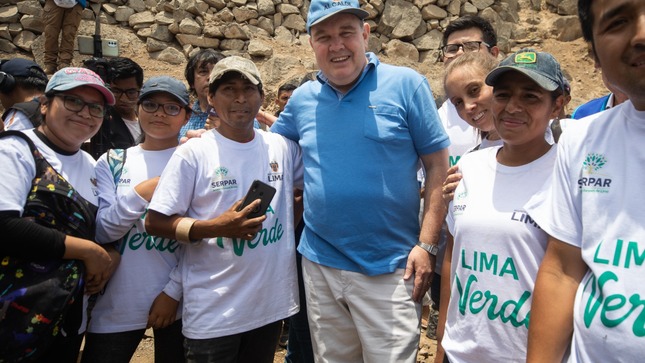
x=31 y=109
x=116 y=160
x=41 y=163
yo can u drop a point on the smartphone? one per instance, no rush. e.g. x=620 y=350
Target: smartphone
x=258 y=190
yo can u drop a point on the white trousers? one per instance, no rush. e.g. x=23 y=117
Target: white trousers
x=359 y=318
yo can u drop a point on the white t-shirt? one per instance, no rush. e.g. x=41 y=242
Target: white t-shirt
x=146 y=261
x=496 y=254
x=19 y=169
x=229 y=285
x=17 y=120
x=596 y=203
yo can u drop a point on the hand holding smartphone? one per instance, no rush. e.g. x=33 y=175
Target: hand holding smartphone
x=258 y=190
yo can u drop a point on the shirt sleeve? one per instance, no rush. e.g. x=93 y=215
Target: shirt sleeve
x=25 y=239
x=423 y=120
x=117 y=213
x=558 y=212
x=176 y=186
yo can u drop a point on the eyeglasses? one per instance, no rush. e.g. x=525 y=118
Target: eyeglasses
x=451 y=50
x=76 y=104
x=131 y=93
x=171 y=109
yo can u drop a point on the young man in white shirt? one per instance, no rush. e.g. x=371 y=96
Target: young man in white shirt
x=237 y=275
x=588 y=299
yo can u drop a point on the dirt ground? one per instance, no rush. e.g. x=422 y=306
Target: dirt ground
x=145 y=353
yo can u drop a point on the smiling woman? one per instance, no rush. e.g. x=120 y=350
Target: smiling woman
x=72 y=108
x=492 y=239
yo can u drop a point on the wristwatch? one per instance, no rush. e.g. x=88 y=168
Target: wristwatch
x=431 y=249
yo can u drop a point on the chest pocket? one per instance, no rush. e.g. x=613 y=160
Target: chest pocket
x=385 y=124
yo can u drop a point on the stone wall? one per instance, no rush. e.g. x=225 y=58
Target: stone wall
x=173 y=30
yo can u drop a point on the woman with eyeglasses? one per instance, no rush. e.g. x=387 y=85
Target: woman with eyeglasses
x=73 y=109
x=494 y=248
x=133 y=299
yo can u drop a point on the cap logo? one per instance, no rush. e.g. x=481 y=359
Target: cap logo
x=526 y=58
x=335 y=3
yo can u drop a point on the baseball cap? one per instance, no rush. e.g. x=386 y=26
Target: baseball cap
x=235 y=64
x=165 y=84
x=72 y=77
x=319 y=10
x=541 y=67
x=20 y=67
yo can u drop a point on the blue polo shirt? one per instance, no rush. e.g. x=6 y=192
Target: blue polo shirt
x=360 y=152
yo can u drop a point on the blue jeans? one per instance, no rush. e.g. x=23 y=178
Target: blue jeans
x=254 y=346
x=120 y=347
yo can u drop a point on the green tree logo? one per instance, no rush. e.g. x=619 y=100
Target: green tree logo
x=593 y=162
x=221 y=172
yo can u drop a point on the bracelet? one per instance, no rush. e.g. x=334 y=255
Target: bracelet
x=182 y=232
x=431 y=249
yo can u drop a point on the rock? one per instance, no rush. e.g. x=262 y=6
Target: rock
x=286 y=9
x=4 y=32
x=266 y=24
x=567 y=28
x=195 y=7
x=454 y=7
x=213 y=31
x=24 y=40
x=231 y=44
x=137 y=5
x=189 y=26
x=397 y=48
x=9 y=14
x=170 y=55
x=217 y=4
x=482 y=4
x=198 y=41
x=265 y=7
x=568 y=7
x=283 y=35
x=433 y=12
x=166 y=18
x=468 y=9
x=30 y=7
x=161 y=32
x=243 y=14
x=109 y=8
x=7 y=46
x=295 y=22
x=393 y=22
x=141 y=19
x=429 y=41
x=32 y=23
x=123 y=13
x=258 y=48
x=235 y=31
x=274 y=69
x=374 y=44
x=154 y=45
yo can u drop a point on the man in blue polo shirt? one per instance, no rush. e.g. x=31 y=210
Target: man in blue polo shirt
x=363 y=126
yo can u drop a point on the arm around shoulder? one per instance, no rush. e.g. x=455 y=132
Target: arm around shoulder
x=551 y=325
